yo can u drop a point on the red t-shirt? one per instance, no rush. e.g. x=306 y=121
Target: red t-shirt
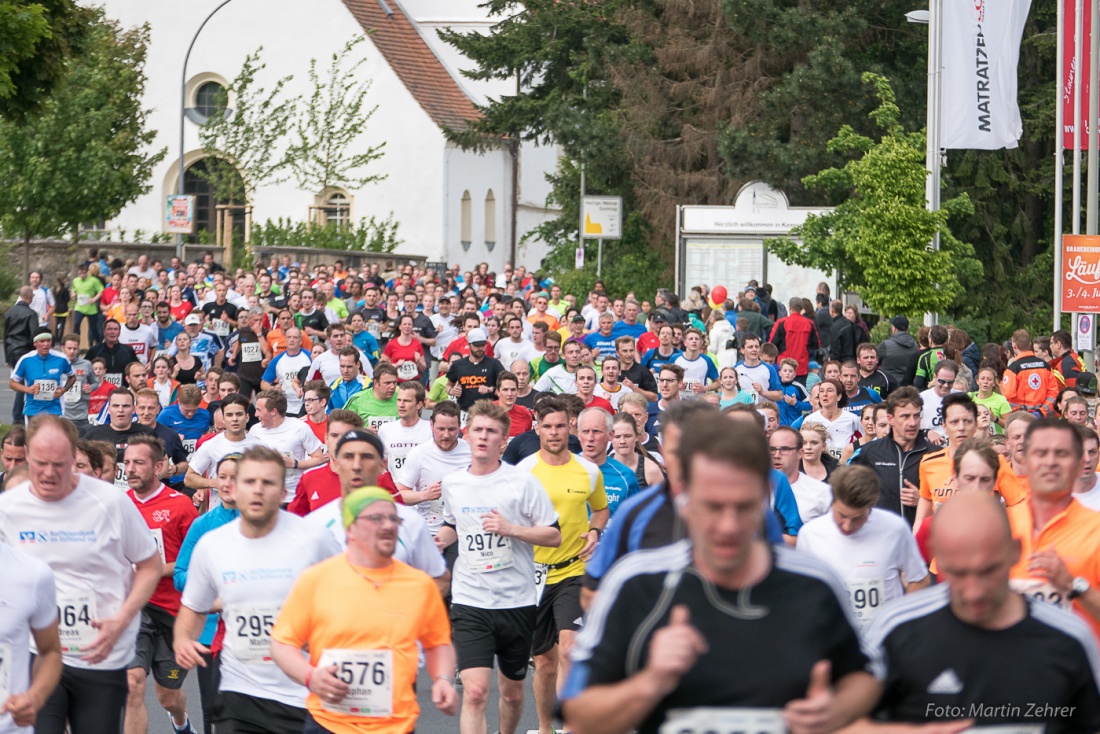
x=396 y=352
x=320 y=485
x=598 y=402
x=109 y=296
x=179 y=313
x=648 y=341
x=461 y=346
x=98 y=398
x=521 y=419
x=318 y=429
x=169 y=515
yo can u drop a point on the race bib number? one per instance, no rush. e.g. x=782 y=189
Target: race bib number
x=687 y=393
x=120 y=477
x=115 y=378
x=83 y=299
x=374 y=329
x=541 y=572
x=160 y=353
x=251 y=352
x=74 y=621
x=487 y=552
x=374 y=421
x=5 y=670
x=713 y=720
x=248 y=631
x=867 y=597
x=189 y=445
x=369 y=677
x=158 y=538
x=407 y=371
x=463 y=419
x=1043 y=591
x=219 y=327
x=397 y=461
x=74 y=393
x=46 y=390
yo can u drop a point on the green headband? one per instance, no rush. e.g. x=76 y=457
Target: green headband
x=360 y=498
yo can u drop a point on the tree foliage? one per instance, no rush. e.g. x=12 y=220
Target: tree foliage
x=879 y=237
x=245 y=146
x=36 y=39
x=370 y=235
x=327 y=151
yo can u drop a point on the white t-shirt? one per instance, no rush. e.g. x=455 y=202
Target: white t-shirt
x=400 y=439
x=142 y=340
x=494 y=572
x=293 y=438
x=445 y=333
x=30 y=603
x=747 y=376
x=870 y=561
x=840 y=431
x=89 y=540
x=812 y=497
x=252 y=577
x=288 y=368
x=558 y=380
x=612 y=397
x=427 y=464
x=414 y=541
x=206 y=457
x=695 y=372
x=1090 y=499
x=41 y=302
x=328 y=365
x=508 y=351
x=931 y=414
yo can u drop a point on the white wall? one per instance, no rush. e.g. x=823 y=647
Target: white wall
x=477 y=174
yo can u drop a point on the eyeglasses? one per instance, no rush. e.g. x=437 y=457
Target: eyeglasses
x=382 y=519
x=781 y=449
x=667 y=380
x=945 y=383
x=312 y=400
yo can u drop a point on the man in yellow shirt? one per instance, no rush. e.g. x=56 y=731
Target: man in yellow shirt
x=361 y=669
x=575 y=487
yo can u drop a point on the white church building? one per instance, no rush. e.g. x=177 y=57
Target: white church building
x=452 y=206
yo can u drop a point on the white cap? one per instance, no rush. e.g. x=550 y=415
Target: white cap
x=476 y=336
x=192 y=318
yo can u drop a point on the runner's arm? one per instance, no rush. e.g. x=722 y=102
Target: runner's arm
x=185 y=643
x=45 y=675
x=194 y=480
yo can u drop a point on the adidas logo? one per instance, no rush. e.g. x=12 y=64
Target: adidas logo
x=947 y=683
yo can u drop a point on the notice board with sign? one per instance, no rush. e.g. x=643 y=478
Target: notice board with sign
x=1080 y=277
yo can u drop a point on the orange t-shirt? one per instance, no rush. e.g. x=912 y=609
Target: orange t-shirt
x=1074 y=534
x=333 y=607
x=550 y=319
x=1013 y=489
x=276 y=339
x=937 y=482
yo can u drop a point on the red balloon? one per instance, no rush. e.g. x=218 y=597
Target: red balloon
x=718 y=294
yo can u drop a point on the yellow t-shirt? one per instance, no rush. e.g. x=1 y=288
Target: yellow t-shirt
x=573 y=488
x=333 y=607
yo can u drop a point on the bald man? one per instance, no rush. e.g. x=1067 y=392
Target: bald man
x=971 y=651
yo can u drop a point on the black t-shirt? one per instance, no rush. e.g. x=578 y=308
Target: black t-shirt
x=876 y=382
x=762 y=643
x=472 y=376
x=220 y=311
x=116 y=357
x=274 y=300
x=641 y=377
x=529 y=401
x=316 y=320
x=423 y=326
x=527 y=443
x=1037 y=672
x=373 y=314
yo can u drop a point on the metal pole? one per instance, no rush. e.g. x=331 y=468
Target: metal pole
x=580 y=202
x=932 y=149
x=1094 y=149
x=599 y=258
x=1078 y=61
x=1059 y=164
x=183 y=108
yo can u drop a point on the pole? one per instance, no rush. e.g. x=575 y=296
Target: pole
x=1059 y=164
x=1094 y=149
x=1078 y=61
x=599 y=259
x=183 y=109
x=932 y=149
x=580 y=202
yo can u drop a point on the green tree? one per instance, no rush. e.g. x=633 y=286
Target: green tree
x=244 y=145
x=879 y=238
x=36 y=39
x=327 y=151
x=85 y=154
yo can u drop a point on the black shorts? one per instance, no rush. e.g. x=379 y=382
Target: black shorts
x=559 y=609
x=483 y=634
x=239 y=713
x=154 y=649
x=88 y=701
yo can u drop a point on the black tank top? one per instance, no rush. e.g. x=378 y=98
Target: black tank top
x=187 y=377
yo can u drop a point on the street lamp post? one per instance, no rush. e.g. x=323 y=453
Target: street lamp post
x=933 y=19
x=183 y=110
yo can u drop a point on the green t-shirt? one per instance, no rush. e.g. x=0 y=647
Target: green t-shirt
x=85 y=289
x=997 y=405
x=438 y=393
x=339 y=307
x=373 y=411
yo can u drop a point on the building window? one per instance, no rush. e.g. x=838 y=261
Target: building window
x=490 y=221
x=210 y=99
x=338 y=210
x=467 y=221
x=206 y=212
x=208 y=96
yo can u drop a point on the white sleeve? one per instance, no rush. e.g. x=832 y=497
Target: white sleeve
x=137 y=542
x=409 y=473
x=199 y=593
x=422 y=551
x=911 y=561
x=448 y=514
x=201 y=459
x=45 y=599
x=310 y=443
x=544 y=384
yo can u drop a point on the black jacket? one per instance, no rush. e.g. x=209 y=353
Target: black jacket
x=842 y=344
x=894 y=466
x=897 y=357
x=20 y=325
x=824 y=324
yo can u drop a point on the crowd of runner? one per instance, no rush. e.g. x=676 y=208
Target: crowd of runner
x=311 y=486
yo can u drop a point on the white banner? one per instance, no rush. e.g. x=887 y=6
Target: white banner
x=981 y=50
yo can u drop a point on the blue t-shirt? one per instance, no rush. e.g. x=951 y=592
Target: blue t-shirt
x=205 y=347
x=166 y=336
x=606 y=344
x=191 y=429
x=621 y=328
x=619 y=483
x=653 y=360
x=365 y=342
x=50 y=372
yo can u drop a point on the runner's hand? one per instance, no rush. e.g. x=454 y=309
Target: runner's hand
x=590 y=541
x=435 y=490
x=327 y=686
x=494 y=522
x=110 y=629
x=23 y=708
x=810 y=715
x=909 y=494
x=674 y=649
x=444 y=697
x=1048 y=565
x=189 y=653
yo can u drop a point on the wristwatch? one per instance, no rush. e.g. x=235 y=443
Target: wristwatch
x=598 y=531
x=1080 y=587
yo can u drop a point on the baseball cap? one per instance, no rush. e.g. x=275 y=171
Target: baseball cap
x=900 y=322
x=192 y=318
x=658 y=318
x=476 y=336
x=577 y=317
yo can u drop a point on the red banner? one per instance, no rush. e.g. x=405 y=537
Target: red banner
x=1081 y=273
x=1070 y=76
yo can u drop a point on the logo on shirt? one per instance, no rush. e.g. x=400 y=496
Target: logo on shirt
x=162 y=516
x=1034 y=381
x=28 y=537
x=946 y=683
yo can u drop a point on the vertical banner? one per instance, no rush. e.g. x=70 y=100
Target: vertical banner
x=1081 y=273
x=1070 y=75
x=981 y=51
x=180 y=215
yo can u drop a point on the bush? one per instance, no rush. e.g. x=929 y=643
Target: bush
x=370 y=235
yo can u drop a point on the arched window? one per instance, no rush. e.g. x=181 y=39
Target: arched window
x=338 y=210
x=490 y=221
x=205 y=203
x=210 y=99
x=467 y=221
